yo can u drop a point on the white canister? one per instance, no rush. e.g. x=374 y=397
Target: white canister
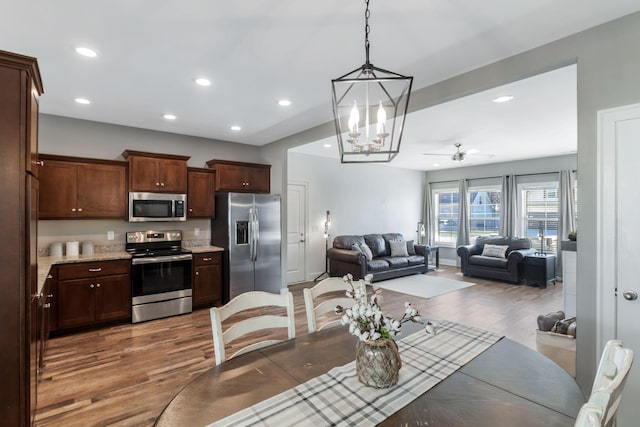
x=87 y=247
x=73 y=248
x=55 y=249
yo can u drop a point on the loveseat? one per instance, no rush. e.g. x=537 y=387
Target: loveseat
x=385 y=256
x=495 y=257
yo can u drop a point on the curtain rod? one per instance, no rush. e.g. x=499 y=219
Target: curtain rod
x=500 y=176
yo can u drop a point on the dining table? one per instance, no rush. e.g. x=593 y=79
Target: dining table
x=508 y=384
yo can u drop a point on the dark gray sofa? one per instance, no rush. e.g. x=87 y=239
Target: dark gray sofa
x=509 y=269
x=345 y=258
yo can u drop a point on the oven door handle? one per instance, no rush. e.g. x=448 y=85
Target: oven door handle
x=158 y=260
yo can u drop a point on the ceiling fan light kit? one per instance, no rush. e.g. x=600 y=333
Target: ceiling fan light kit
x=369 y=109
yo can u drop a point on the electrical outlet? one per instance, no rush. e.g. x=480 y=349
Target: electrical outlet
x=196 y=231
x=110 y=235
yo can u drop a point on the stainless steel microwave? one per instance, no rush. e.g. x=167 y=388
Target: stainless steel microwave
x=157 y=207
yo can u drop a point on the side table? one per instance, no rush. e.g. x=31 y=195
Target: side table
x=540 y=268
x=434 y=250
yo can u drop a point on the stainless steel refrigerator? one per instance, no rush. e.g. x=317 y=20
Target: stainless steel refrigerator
x=247 y=226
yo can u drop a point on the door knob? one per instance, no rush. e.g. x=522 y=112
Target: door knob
x=630 y=295
x=301 y=240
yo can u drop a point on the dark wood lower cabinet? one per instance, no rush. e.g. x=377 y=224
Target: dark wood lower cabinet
x=102 y=297
x=207 y=279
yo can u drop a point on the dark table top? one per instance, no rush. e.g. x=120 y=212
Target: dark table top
x=507 y=385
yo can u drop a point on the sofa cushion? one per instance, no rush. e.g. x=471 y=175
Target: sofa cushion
x=398 y=248
x=391 y=237
x=396 y=261
x=415 y=259
x=513 y=242
x=346 y=242
x=366 y=250
x=377 y=265
x=377 y=244
x=487 y=261
x=496 y=251
x=411 y=250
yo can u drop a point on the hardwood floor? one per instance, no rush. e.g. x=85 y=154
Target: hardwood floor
x=125 y=375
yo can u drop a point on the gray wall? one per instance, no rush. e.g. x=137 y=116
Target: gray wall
x=448 y=256
x=362 y=198
x=608 y=66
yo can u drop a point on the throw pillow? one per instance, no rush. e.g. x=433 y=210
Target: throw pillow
x=366 y=250
x=398 y=248
x=356 y=248
x=411 y=250
x=495 y=251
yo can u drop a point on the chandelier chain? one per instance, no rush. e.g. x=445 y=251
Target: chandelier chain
x=367 y=13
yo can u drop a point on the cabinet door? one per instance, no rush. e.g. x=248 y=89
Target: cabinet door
x=173 y=176
x=231 y=178
x=76 y=305
x=113 y=297
x=200 y=197
x=144 y=174
x=101 y=191
x=58 y=190
x=260 y=180
x=207 y=288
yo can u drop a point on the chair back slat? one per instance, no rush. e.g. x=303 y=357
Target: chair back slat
x=314 y=309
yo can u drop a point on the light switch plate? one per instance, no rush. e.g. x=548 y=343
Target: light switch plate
x=110 y=235
x=196 y=231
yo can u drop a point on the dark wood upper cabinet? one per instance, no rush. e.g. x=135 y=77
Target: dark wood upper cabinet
x=82 y=188
x=201 y=192
x=241 y=177
x=158 y=173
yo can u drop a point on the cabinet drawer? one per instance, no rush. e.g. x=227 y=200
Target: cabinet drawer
x=207 y=258
x=91 y=269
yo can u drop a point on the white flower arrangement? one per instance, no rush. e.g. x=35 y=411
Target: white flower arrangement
x=365 y=319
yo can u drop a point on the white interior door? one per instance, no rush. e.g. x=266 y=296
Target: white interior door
x=296 y=232
x=619 y=200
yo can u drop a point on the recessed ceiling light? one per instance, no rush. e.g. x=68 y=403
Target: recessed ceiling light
x=436 y=164
x=169 y=116
x=327 y=145
x=83 y=101
x=284 y=102
x=85 y=51
x=235 y=128
x=503 y=98
x=201 y=81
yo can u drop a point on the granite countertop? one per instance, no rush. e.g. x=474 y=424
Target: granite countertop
x=45 y=263
x=201 y=249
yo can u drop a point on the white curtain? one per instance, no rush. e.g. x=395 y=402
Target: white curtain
x=463 y=214
x=508 y=207
x=567 y=219
x=428 y=217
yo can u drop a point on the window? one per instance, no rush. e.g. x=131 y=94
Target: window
x=484 y=211
x=446 y=215
x=540 y=206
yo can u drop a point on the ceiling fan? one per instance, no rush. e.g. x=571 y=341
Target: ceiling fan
x=458 y=156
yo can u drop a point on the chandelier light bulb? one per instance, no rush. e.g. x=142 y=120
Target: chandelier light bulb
x=354 y=118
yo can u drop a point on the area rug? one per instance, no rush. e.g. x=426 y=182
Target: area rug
x=422 y=285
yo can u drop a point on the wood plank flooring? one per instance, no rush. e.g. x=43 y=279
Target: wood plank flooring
x=125 y=375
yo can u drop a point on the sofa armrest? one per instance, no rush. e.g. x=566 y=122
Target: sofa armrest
x=517 y=255
x=345 y=255
x=423 y=250
x=467 y=250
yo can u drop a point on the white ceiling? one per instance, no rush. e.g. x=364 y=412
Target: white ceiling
x=258 y=51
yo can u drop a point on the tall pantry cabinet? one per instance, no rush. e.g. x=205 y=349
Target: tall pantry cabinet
x=20 y=88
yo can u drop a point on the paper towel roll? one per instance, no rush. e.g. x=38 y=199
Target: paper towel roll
x=73 y=248
x=87 y=247
x=55 y=249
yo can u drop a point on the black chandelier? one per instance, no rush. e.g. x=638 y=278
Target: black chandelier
x=369 y=109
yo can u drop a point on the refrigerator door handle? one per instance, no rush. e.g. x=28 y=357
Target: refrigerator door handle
x=251 y=240
x=256 y=234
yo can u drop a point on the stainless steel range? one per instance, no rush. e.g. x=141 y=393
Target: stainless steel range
x=160 y=274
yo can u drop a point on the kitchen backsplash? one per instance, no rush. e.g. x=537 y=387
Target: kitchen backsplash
x=195 y=232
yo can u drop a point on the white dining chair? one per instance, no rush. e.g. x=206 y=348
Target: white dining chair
x=262 y=321
x=611 y=376
x=319 y=313
x=590 y=415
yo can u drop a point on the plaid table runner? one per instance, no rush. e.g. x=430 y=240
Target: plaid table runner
x=337 y=398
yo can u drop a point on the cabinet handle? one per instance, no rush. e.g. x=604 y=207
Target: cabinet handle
x=95 y=270
x=73 y=209
x=40 y=162
x=50 y=296
x=190 y=210
x=98 y=285
x=207 y=259
x=79 y=209
x=47 y=305
x=49 y=276
x=157 y=184
x=91 y=286
x=162 y=184
x=197 y=273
